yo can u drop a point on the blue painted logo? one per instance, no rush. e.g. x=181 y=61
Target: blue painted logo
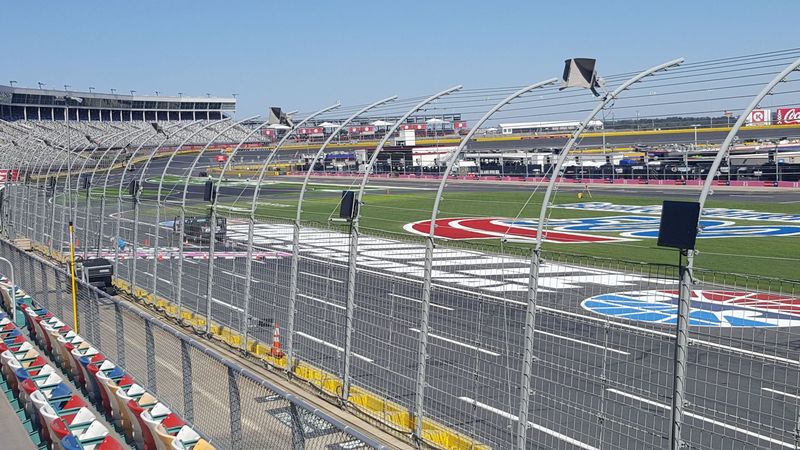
x=708 y=308
x=647 y=227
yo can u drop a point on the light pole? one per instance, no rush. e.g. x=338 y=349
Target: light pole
x=12 y=82
x=91 y=88
x=41 y=84
x=13 y=290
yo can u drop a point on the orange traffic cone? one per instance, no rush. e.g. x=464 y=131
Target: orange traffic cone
x=276 y=342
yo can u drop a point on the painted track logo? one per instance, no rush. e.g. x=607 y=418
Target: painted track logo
x=493 y=228
x=575 y=231
x=725 y=309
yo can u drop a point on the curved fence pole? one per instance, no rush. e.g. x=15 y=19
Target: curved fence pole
x=352 y=256
x=86 y=159
x=296 y=234
x=136 y=201
x=108 y=170
x=131 y=135
x=47 y=143
x=18 y=160
x=119 y=192
x=17 y=199
x=68 y=161
x=419 y=390
x=533 y=279
x=253 y=204
x=687 y=278
x=157 y=225
x=182 y=235
x=128 y=167
x=34 y=170
x=41 y=166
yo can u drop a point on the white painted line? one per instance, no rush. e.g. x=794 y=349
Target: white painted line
x=322 y=301
x=321 y=276
x=452 y=341
x=328 y=344
x=704 y=419
x=420 y=301
x=241 y=277
x=784 y=394
x=545 y=430
x=227 y=305
x=482 y=259
x=578 y=341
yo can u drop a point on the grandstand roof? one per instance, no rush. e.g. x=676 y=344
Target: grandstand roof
x=49 y=97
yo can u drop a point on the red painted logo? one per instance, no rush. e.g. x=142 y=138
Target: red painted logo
x=495 y=228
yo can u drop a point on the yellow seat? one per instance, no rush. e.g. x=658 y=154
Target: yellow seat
x=203 y=444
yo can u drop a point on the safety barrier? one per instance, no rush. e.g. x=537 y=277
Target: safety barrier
x=234 y=407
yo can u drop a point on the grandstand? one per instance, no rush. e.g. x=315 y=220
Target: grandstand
x=18 y=103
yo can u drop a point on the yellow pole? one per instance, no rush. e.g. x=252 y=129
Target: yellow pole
x=72 y=274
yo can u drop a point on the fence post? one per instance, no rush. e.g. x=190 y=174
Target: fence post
x=533 y=280
x=686 y=276
x=150 y=351
x=120 y=334
x=419 y=391
x=296 y=237
x=253 y=204
x=298 y=436
x=158 y=200
x=235 y=409
x=188 y=396
x=352 y=256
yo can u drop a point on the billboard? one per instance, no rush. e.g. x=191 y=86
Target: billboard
x=8 y=175
x=759 y=117
x=787 y=116
x=413 y=126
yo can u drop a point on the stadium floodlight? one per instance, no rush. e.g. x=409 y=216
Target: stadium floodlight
x=113 y=91
x=133 y=92
x=180 y=94
x=41 y=84
x=67 y=86
x=91 y=88
x=157 y=93
x=208 y=95
x=12 y=82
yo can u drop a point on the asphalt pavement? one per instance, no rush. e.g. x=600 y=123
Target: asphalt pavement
x=598 y=383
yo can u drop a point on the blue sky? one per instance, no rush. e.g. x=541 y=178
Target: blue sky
x=302 y=55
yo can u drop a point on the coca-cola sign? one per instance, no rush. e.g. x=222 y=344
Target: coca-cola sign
x=788 y=115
